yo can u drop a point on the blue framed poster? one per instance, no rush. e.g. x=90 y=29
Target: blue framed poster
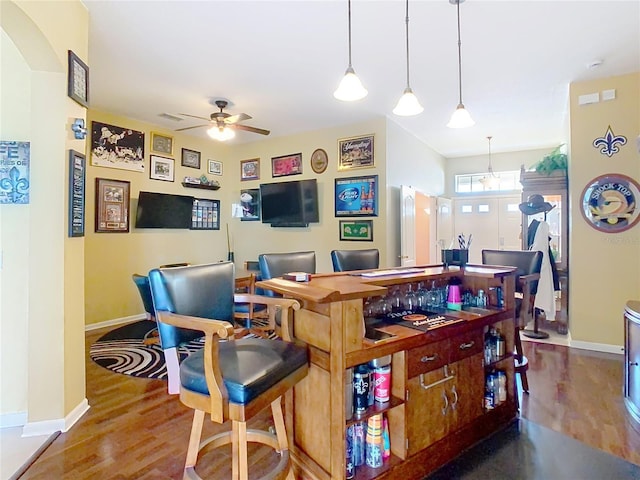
x=14 y=172
x=356 y=196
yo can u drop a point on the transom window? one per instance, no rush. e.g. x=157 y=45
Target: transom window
x=485 y=182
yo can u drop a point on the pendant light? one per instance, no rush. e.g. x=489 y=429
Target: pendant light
x=350 y=88
x=221 y=134
x=460 y=117
x=491 y=181
x=408 y=104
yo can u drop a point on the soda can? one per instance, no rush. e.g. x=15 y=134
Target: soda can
x=361 y=388
x=382 y=384
x=350 y=467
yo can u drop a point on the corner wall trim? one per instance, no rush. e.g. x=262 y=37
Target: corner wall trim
x=598 y=347
x=16 y=419
x=114 y=321
x=47 y=427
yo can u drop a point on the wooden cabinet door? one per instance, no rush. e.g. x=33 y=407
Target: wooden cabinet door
x=427 y=410
x=466 y=394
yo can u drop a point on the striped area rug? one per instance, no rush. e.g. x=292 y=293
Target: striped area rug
x=134 y=349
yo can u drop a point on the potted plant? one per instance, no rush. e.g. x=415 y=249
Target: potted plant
x=556 y=160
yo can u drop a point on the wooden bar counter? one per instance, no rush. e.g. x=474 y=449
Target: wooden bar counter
x=437 y=405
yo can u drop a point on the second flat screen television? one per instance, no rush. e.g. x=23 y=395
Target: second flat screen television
x=290 y=204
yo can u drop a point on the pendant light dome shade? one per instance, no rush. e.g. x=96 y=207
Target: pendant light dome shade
x=350 y=88
x=221 y=134
x=408 y=104
x=460 y=117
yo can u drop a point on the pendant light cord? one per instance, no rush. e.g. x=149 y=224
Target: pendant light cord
x=459 y=54
x=350 y=34
x=407 y=35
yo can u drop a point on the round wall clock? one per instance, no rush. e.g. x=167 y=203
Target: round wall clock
x=610 y=203
x=319 y=160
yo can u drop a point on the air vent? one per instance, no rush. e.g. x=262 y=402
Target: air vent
x=168 y=116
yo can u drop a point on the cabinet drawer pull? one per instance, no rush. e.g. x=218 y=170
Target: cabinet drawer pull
x=427 y=359
x=633 y=364
x=455 y=397
x=446 y=378
x=466 y=346
x=446 y=403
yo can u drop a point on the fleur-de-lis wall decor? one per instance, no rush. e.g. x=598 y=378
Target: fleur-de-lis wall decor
x=610 y=144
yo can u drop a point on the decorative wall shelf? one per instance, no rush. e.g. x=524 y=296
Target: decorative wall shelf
x=201 y=186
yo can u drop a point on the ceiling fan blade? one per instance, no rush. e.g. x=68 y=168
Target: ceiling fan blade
x=189 y=128
x=261 y=131
x=194 y=116
x=237 y=118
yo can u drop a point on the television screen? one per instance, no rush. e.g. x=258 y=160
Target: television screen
x=290 y=204
x=162 y=210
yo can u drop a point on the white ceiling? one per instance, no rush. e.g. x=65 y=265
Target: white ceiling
x=280 y=61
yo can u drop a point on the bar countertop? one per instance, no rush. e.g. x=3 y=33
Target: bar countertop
x=331 y=287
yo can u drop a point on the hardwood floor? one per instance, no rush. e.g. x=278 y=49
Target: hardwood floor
x=135 y=430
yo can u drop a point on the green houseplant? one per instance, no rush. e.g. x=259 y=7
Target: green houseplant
x=556 y=160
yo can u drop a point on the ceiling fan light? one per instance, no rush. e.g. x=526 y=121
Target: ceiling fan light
x=350 y=88
x=222 y=134
x=460 y=118
x=408 y=104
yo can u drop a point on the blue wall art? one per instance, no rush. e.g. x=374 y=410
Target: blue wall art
x=610 y=144
x=14 y=172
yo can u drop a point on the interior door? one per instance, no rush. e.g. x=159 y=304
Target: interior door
x=407 y=226
x=444 y=227
x=423 y=234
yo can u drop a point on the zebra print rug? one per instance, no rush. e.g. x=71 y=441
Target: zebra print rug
x=134 y=349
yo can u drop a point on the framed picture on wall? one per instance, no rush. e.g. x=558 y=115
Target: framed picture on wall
x=162 y=168
x=356 y=196
x=214 y=167
x=286 y=165
x=78 y=80
x=250 y=201
x=161 y=143
x=190 y=158
x=117 y=147
x=112 y=206
x=356 y=152
x=250 y=169
x=77 y=175
x=356 y=230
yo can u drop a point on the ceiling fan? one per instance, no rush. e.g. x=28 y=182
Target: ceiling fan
x=222 y=123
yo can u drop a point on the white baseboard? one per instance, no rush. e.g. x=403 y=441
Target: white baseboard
x=598 y=347
x=47 y=427
x=115 y=321
x=16 y=419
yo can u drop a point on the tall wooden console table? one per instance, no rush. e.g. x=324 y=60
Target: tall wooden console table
x=438 y=377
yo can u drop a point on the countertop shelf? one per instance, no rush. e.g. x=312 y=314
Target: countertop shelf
x=200 y=185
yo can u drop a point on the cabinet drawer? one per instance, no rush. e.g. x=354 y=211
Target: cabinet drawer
x=428 y=357
x=466 y=345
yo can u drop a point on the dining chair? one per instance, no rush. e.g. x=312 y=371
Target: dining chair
x=229 y=379
x=528 y=264
x=347 y=260
x=277 y=264
x=142 y=283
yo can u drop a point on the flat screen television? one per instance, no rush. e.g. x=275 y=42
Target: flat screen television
x=290 y=204
x=163 y=210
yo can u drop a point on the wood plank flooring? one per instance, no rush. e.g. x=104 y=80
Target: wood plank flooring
x=135 y=430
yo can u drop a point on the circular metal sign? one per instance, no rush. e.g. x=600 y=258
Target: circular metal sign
x=610 y=203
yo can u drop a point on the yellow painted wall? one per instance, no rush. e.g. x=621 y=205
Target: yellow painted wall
x=111 y=258
x=52 y=265
x=604 y=268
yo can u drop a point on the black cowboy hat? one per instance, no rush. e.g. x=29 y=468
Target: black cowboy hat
x=535 y=204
